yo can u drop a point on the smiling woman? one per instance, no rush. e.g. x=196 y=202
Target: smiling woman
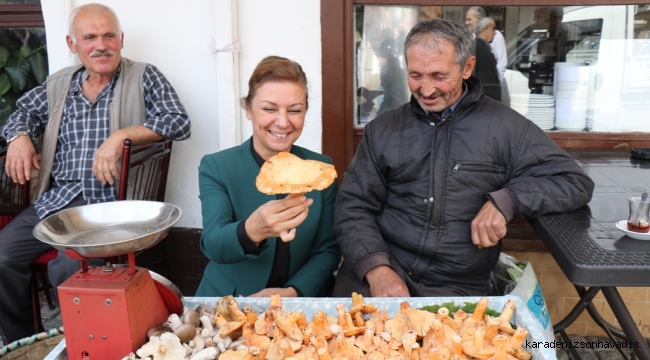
x=242 y=226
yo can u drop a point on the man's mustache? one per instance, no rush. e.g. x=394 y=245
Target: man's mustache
x=97 y=53
x=436 y=94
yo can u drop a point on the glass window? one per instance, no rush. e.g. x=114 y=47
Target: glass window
x=23 y=65
x=566 y=68
x=23 y=56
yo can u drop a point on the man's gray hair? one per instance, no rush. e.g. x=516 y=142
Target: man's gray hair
x=434 y=32
x=479 y=12
x=483 y=24
x=92 y=8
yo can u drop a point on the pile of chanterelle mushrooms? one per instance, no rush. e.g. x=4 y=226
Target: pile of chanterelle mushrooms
x=361 y=332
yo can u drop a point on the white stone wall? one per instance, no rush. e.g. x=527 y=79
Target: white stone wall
x=180 y=38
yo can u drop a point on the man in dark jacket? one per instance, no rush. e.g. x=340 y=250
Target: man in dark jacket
x=427 y=197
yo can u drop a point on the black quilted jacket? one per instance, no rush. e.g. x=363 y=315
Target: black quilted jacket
x=412 y=189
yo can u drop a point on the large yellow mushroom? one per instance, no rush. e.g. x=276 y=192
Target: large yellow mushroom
x=408 y=320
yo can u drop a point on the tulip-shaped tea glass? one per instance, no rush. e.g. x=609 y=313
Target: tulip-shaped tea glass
x=638 y=221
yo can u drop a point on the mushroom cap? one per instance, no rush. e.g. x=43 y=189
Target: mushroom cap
x=165 y=347
x=157 y=331
x=191 y=317
x=230 y=328
x=185 y=332
x=407 y=320
x=203 y=309
x=264 y=323
x=374 y=355
x=234 y=355
x=229 y=308
x=477 y=347
x=484 y=353
x=320 y=325
x=286 y=173
x=252 y=339
x=287 y=324
x=344 y=348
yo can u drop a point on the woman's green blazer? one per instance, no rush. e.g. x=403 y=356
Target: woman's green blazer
x=228 y=196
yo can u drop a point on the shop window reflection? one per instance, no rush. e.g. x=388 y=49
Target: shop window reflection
x=570 y=68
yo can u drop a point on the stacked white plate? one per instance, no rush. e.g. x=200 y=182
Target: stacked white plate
x=571 y=89
x=538 y=108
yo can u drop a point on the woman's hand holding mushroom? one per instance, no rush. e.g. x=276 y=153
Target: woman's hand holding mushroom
x=277 y=218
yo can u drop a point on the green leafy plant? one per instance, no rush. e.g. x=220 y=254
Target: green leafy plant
x=452 y=307
x=23 y=65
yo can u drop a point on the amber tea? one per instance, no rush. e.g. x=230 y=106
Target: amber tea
x=638 y=226
x=637 y=220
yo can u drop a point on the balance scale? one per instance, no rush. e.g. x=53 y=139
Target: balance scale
x=107 y=310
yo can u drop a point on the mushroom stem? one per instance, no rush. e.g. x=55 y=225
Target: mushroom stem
x=323 y=354
x=251 y=316
x=199 y=343
x=161 y=350
x=478 y=337
x=500 y=352
x=209 y=353
x=456 y=346
x=492 y=329
x=358 y=319
x=206 y=322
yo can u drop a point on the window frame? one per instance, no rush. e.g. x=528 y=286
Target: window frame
x=340 y=138
x=21 y=15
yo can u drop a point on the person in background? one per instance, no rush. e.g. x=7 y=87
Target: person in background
x=392 y=77
x=486 y=68
x=498 y=43
x=426 y=199
x=484 y=29
x=257 y=244
x=85 y=113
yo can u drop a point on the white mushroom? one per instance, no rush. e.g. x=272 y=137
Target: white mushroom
x=188 y=349
x=173 y=322
x=206 y=321
x=235 y=343
x=199 y=343
x=166 y=347
x=209 y=353
x=221 y=343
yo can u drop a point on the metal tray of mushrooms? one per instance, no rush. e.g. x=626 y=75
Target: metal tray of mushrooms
x=522 y=317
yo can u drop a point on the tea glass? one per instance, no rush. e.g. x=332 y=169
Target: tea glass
x=638 y=220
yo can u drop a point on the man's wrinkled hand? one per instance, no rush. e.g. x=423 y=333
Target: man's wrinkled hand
x=488 y=227
x=21 y=157
x=384 y=282
x=106 y=158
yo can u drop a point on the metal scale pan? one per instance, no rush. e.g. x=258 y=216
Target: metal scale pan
x=108 y=229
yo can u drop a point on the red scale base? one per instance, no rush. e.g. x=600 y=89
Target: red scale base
x=106 y=315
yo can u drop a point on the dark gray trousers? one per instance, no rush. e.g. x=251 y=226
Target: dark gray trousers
x=347 y=282
x=18 y=249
